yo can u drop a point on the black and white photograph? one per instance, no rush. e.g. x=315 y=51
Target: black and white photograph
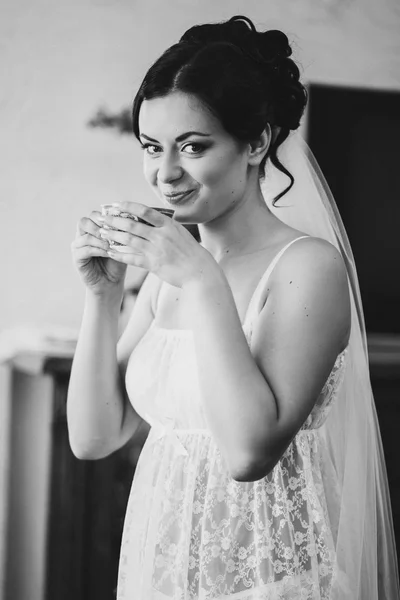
x=199 y=316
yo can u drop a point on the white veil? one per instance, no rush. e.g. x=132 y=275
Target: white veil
x=353 y=465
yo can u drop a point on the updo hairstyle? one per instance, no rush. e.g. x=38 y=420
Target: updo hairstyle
x=244 y=77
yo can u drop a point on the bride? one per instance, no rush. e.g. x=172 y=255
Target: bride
x=263 y=474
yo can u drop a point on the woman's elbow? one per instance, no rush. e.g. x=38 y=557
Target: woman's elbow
x=89 y=450
x=249 y=470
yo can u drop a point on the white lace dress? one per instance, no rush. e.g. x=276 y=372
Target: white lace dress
x=192 y=532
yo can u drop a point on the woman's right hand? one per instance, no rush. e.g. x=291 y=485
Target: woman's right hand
x=101 y=274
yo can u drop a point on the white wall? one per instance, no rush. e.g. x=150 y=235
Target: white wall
x=60 y=61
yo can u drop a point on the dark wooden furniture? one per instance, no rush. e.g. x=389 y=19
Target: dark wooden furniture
x=71 y=549
x=87 y=508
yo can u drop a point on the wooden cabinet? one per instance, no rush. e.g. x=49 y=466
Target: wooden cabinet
x=64 y=515
x=87 y=507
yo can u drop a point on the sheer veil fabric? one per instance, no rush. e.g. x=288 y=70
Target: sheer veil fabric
x=353 y=467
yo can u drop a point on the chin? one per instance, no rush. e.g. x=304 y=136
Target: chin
x=186 y=213
x=183 y=218
x=189 y=222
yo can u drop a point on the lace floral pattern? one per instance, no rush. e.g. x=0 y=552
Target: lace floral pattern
x=246 y=535
x=192 y=532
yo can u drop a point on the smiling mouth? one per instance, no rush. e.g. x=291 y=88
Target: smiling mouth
x=175 y=198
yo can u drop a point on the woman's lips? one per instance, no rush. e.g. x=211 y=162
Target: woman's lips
x=178 y=198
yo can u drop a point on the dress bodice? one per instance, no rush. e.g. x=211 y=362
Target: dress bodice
x=162 y=378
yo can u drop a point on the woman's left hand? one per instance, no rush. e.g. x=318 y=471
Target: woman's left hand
x=167 y=249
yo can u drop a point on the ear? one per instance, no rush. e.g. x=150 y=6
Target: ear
x=259 y=147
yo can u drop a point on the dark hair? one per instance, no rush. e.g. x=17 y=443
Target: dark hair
x=244 y=77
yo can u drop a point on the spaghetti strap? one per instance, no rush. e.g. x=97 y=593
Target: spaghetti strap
x=254 y=306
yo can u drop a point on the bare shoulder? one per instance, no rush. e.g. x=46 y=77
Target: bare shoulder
x=312 y=259
x=314 y=246
x=309 y=289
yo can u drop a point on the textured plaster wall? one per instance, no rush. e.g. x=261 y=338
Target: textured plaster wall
x=59 y=62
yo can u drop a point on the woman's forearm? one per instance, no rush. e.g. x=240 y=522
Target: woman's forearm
x=95 y=401
x=239 y=404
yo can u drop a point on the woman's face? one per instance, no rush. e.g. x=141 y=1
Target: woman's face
x=193 y=165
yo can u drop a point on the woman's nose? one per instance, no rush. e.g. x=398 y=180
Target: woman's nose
x=169 y=169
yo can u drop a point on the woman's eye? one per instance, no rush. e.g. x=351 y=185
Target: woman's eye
x=150 y=148
x=195 y=148
x=192 y=148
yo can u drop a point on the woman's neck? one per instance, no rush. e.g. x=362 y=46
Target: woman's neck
x=247 y=229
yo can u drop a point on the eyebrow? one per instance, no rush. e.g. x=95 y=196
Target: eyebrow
x=180 y=138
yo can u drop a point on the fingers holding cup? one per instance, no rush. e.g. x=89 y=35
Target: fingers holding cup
x=134 y=221
x=123 y=241
x=89 y=225
x=149 y=215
